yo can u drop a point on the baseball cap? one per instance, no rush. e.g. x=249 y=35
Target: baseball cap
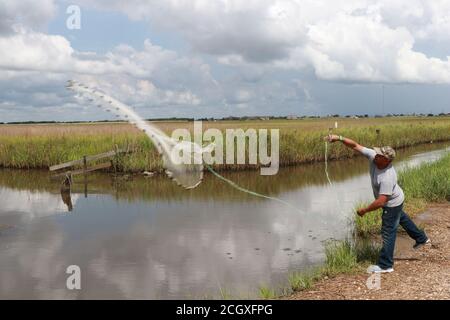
x=386 y=151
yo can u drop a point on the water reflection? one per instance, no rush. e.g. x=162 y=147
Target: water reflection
x=146 y=238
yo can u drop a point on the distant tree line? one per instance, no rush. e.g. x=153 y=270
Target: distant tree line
x=244 y=118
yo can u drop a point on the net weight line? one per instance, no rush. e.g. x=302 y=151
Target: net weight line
x=253 y=193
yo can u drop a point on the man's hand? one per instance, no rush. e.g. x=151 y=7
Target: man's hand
x=331 y=138
x=361 y=212
x=346 y=141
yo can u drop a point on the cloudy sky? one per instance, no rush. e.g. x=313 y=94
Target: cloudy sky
x=214 y=58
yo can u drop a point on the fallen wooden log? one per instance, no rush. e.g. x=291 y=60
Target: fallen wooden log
x=82 y=171
x=88 y=158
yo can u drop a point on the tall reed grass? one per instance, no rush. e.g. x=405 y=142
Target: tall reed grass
x=429 y=182
x=300 y=141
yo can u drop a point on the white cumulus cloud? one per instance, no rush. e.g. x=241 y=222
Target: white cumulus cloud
x=350 y=40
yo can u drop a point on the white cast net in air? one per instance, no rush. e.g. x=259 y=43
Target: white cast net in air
x=188 y=174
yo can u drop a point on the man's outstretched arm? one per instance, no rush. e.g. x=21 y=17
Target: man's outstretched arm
x=346 y=141
x=377 y=204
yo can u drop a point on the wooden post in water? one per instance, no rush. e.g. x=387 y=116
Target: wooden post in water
x=66 y=184
x=66 y=189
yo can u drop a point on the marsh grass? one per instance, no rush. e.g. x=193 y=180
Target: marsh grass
x=429 y=182
x=304 y=280
x=341 y=257
x=40 y=146
x=267 y=293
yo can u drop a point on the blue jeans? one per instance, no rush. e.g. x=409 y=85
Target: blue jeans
x=391 y=218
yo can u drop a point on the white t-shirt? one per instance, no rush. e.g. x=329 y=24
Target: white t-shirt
x=384 y=181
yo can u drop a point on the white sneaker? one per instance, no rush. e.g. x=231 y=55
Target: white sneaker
x=378 y=269
x=418 y=245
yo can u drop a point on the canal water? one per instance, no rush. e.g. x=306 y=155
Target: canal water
x=140 y=237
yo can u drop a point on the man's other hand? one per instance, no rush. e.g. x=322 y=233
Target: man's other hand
x=361 y=212
x=331 y=138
